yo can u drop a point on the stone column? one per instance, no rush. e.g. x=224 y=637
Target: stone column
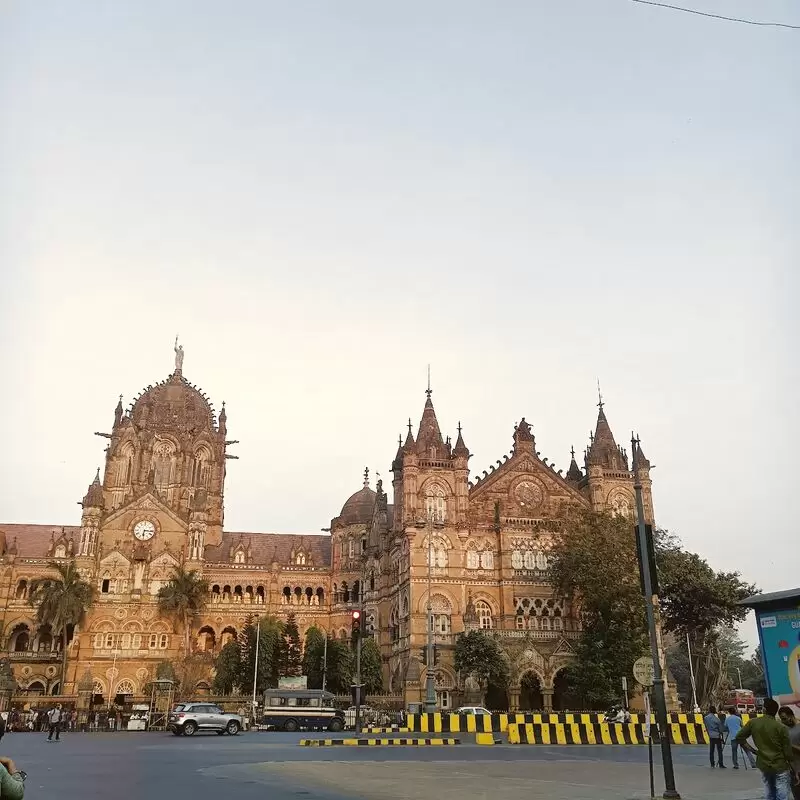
x=513 y=698
x=547 y=699
x=84 y=688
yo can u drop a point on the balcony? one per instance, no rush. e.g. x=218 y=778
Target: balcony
x=48 y=656
x=535 y=635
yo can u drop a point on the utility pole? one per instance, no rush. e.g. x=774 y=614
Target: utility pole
x=430 y=685
x=691 y=673
x=659 y=698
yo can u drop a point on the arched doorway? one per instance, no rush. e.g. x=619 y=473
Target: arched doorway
x=496 y=698
x=530 y=694
x=563 y=697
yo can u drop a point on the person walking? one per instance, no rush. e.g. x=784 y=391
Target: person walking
x=733 y=724
x=54 y=722
x=715 y=730
x=788 y=718
x=773 y=751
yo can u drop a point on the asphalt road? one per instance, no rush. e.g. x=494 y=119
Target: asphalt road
x=272 y=765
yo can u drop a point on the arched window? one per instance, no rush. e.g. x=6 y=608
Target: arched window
x=109 y=641
x=541 y=561
x=124 y=687
x=516 y=559
x=435 y=503
x=438 y=550
x=22 y=590
x=163 y=465
x=201 y=468
x=351 y=548
x=125 y=467
x=125 y=643
x=300 y=559
x=60 y=551
x=530 y=560
x=238 y=557
x=473 y=559
x=487 y=559
x=520 y=623
x=163 y=641
x=484 y=612
x=440 y=615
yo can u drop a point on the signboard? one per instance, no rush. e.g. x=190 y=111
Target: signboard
x=643 y=670
x=294 y=683
x=779 y=632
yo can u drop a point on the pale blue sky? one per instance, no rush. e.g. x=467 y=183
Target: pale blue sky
x=323 y=197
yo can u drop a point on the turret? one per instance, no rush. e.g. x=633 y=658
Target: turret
x=92 y=503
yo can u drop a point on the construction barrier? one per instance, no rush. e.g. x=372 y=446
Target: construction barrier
x=602 y=733
x=378 y=742
x=684 y=728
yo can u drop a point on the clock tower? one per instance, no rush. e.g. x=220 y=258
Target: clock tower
x=164 y=474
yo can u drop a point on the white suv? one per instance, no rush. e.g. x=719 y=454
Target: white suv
x=473 y=711
x=188 y=718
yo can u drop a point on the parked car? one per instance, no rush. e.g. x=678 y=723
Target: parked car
x=473 y=711
x=189 y=718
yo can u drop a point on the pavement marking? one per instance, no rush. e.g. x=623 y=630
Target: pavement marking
x=377 y=742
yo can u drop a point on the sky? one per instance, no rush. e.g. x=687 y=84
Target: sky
x=324 y=198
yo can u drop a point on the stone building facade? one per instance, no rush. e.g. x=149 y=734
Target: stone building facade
x=159 y=503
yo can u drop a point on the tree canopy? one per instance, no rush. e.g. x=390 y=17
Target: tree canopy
x=481 y=656
x=371 y=666
x=62 y=602
x=290 y=651
x=183 y=598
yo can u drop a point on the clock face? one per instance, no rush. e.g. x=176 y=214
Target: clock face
x=144 y=530
x=528 y=493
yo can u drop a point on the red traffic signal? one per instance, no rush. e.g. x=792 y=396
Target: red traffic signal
x=355 y=624
x=356 y=616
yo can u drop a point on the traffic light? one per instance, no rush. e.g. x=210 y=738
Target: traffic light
x=372 y=623
x=355 y=625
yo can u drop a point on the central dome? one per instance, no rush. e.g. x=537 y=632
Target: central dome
x=173 y=403
x=358 y=508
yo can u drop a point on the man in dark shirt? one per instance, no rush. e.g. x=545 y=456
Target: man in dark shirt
x=788 y=718
x=773 y=751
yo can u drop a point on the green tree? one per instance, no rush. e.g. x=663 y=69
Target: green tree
x=340 y=666
x=183 y=598
x=227 y=669
x=480 y=656
x=371 y=666
x=62 y=602
x=313 y=657
x=701 y=604
x=291 y=652
x=606 y=592
x=269 y=641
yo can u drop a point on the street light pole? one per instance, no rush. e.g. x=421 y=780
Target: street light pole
x=740 y=677
x=430 y=685
x=659 y=698
x=255 y=668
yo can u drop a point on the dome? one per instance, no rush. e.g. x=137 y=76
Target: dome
x=358 y=508
x=173 y=404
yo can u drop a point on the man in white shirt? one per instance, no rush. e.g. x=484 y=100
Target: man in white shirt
x=54 y=722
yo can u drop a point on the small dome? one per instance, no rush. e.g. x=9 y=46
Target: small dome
x=358 y=508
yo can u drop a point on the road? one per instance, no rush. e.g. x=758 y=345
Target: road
x=273 y=766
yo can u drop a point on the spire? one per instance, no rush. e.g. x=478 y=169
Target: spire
x=410 y=443
x=574 y=472
x=94 y=494
x=222 y=422
x=640 y=462
x=397 y=464
x=460 y=449
x=429 y=435
x=603 y=450
x=118 y=412
x=366 y=477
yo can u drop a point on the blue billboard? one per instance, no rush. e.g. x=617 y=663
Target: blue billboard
x=779 y=632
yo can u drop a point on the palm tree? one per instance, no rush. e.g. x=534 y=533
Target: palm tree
x=183 y=598
x=60 y=602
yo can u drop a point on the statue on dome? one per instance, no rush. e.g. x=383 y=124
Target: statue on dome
x=178 y=356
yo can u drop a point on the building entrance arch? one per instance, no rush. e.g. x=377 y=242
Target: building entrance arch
x=531 y=697
x=563 y=697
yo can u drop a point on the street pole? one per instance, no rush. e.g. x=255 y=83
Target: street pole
x=358 y=681
x=659 y=698
x=430 y=685
x=111 y=680
x=325 y=662
x=691 y=673
x=740 y=677
x=255 y=668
